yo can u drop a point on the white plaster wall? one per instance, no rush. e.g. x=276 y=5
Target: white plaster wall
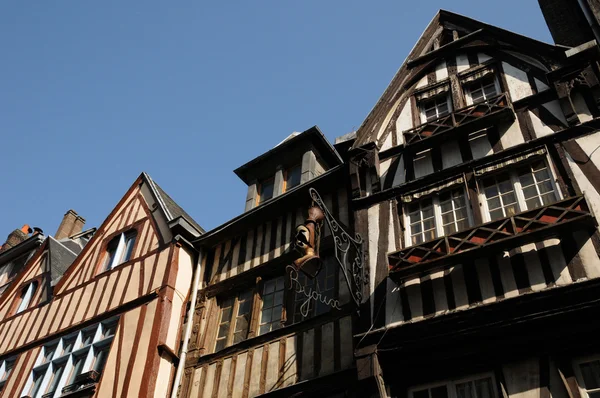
x=422 y=82
x=592 y=196
x=581 y=108
x=540 y=85
x=441 y=71
x=387 y=144
x=387 y=119
x=400 y=176
x=518 y=83
x=481 y=57
x=384 y=167
x=393 y=305
x=404 y=122
x=480 y=146
x=424 y=165
x=373 y=232
x=541 y=129
x=510 y=134
x=554 y=108
x=529 y=60
x=451 y=154
x=462 y=62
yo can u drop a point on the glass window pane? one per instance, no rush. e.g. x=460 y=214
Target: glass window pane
x=266 y=191
x=530 y=192
x=483 y=388
x=421 y=394
x=533 y=203
x=292 y=177
x=100 y=359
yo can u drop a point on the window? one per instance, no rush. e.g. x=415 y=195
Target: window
x=60 y=362
x=324 y=283
x=292 y=177
x=589 y=378
x=272 y=305
x=6 y=367
x=234 y=322
x=265 y=191
x=482 y=90
x=434 y=108
x=422 y=221
x=27 y=294
x=478 y=387
x=119 y=250
x=423 y=163
x=524 y=188
x=437 y=215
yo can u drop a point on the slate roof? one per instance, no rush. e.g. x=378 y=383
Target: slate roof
x=171 y=209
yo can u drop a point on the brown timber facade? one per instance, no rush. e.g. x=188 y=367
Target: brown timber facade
x=251 y=334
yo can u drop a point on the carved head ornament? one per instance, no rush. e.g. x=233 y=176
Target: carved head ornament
x=306 y=242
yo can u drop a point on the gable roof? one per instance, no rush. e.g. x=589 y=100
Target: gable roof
x=169 y=207
x=60 y=257
x=420 y=58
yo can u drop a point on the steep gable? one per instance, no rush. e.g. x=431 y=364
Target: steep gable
x=447 y=35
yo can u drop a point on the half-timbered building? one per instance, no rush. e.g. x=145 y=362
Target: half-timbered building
x=104 y=321
x=260 y=326
x=475 y=182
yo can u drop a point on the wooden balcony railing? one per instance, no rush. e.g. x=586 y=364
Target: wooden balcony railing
x=522 y=228
x=469 y=116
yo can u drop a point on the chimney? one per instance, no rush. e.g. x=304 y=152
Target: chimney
x=15 y=237
x=71 y=224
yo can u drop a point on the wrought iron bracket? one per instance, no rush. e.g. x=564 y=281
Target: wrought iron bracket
x=348 y=251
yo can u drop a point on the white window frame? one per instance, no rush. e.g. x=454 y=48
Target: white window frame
x=422 y=113
x=4 y=375
x=59 y=358
x=271 y=323
x=437 y=215
x=579 y=377
x=468 y=86
x=120 y=251
x=29 y=294
x=514 y=179
x=451 y=384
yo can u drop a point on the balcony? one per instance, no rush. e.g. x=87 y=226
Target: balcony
x=466 y=120
x=522 y=228
x=83 y=384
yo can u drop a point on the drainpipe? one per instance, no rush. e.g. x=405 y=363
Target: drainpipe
x=188 y=327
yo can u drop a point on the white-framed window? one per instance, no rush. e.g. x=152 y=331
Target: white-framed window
x=523 y=188
x=60 y=362
x=119 y=249
x=482 y=89
x=27 y=293
x=272 y=305
x=438 y=215
x=434 y=108
x=480 y=386
x=6 y=366
x=587 y=372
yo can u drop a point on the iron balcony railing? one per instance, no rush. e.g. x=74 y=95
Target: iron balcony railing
x=83 y=380
x=472 y=115
x=522 y=228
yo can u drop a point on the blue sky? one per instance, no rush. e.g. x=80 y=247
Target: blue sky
x=94 y=93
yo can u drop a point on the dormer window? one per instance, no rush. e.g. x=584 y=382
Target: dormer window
x=265 y=191
x=292 y=177
x=434 y=108
x=119 y=250
x=27 y=294
x=482 y=90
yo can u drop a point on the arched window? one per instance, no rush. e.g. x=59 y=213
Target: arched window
x=119 y=250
